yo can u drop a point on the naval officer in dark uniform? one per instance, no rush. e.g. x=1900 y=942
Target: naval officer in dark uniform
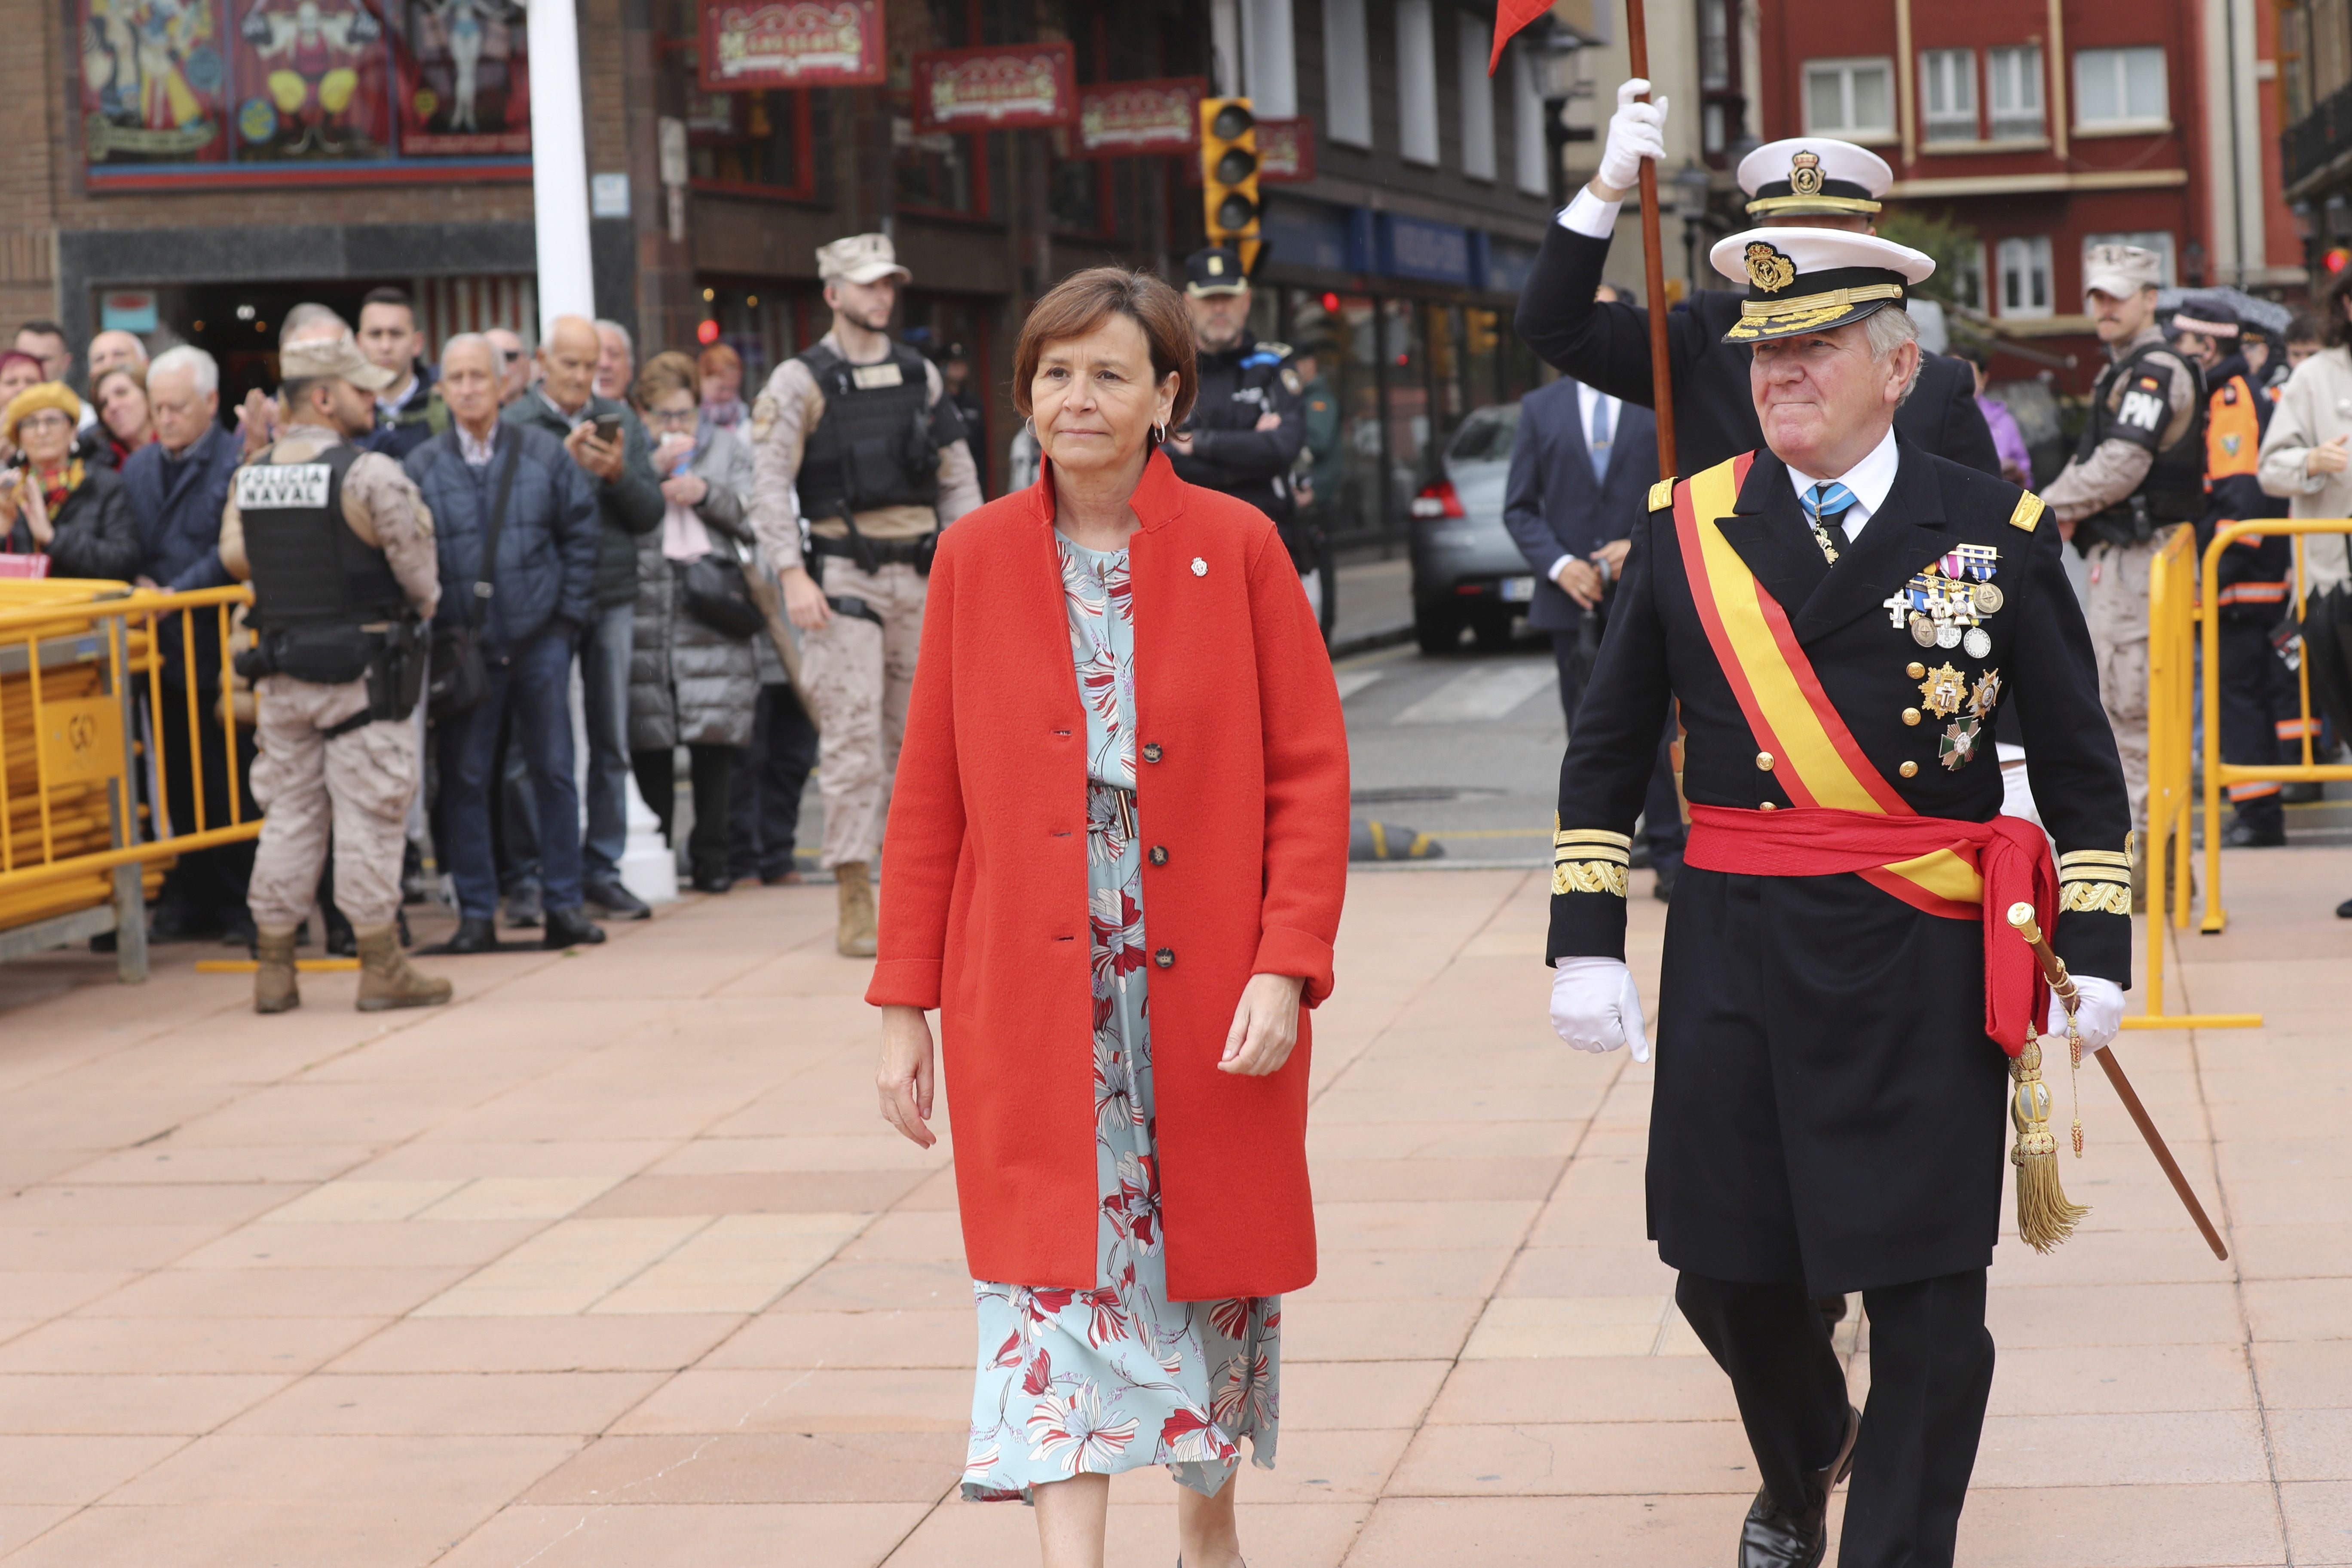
x=1840 y=618
x=1815 y=182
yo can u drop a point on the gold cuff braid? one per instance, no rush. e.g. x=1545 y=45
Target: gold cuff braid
x=1587 y=877
x=2095 y=899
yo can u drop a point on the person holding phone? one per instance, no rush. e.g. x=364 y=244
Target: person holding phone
x=606 y=440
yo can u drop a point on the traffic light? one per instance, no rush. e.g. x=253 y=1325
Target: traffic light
x=1229 y=176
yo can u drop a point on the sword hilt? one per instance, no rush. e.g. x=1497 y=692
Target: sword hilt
x=2053 y=968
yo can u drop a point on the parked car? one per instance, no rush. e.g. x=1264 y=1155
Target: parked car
x=1466 y=573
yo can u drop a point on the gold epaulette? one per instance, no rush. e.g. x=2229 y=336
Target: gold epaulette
x=1589 y=859
x=2028 y=514
x=2095 y=881
x=1662 y=494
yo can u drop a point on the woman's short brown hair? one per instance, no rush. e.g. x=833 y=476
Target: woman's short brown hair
x=664 y=374
x=1084 y=301
x=718 y=360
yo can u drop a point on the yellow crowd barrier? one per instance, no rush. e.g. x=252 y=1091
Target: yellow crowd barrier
x=87 y=813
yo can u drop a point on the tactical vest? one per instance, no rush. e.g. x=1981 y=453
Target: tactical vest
x=309 y=568
x=2174 y=491
x=2233 y=430
x=877 y=444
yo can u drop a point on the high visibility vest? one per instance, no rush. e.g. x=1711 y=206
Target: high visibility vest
x=2234 y=431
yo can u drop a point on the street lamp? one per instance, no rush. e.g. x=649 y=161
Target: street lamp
x=1692 y=187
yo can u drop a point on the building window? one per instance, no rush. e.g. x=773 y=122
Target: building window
x=2120 y=89
x=290 y=91
x=1528 y=141
x=2016 y=84
x=1948 y=94
x=1714 y=44
x=2156 y=239
x=2025 y=288
x=1850 y=97
x=750 y=140
x=1416 y=58
x=1968 y=278
x=1347 y=73
x=1471 y=41
x=1268 y=58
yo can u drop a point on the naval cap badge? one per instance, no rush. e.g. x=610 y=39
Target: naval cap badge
x=1768 y=269
x=1805 y=175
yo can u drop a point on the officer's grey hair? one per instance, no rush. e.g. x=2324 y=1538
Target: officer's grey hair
x=202 y=368
x=628 y=344
x=497 y=358
x=1887 y=330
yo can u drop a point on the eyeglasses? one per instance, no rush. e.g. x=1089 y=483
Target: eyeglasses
x=675 y=418
x=47 y=419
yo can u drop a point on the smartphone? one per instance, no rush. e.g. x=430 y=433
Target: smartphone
x=608 y=431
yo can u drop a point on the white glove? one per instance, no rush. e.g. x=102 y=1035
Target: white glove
x=1595 y=1007
x=2099 y=1017
x=1637 y=130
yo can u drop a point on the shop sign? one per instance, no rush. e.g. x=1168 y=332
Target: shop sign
x=1133 y=119
x=1415 y=248
x=998 y=88
x=127 y=310
x=747 y=44
x=1286 y=151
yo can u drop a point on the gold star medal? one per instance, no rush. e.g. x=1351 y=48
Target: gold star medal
x=1943 y=691
x=1986 y=693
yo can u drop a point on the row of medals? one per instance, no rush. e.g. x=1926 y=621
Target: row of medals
x=1944 y=607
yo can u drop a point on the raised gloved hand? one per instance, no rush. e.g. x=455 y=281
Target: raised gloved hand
x=2099 y=1017
x=1595 y=1007
x=1637 y=130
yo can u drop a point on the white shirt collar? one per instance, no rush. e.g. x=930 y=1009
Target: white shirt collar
x=476 y=452
x=1869 y=479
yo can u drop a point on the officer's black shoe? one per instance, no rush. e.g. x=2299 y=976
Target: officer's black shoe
x=2244 y=834
x=2343 y=912
x=2306 y=791
x=473 y=936
x=1773 y=1537
x=571 y=928
x=610 y=900
x=713 y=881
x=240 y=932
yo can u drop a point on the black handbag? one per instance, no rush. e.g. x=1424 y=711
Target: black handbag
x=459 y=679
x=717 y=594
x=2325 y=633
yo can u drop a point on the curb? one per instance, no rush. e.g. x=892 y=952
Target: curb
x=1371 y=641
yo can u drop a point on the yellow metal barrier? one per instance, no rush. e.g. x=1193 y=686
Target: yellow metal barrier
x=2220 y=774
x=86 y=816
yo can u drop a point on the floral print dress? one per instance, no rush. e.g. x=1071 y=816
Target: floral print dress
x=1117 y=1377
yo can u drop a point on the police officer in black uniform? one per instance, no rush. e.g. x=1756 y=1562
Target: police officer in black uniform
x=1840 y=617
x=1815 y=182
x=1248 y=422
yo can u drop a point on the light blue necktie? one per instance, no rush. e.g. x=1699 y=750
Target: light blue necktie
x=1824 y=505
x=1599 y=435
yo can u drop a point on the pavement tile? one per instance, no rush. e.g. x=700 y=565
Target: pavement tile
x=2128 y=1449
x=760 y=1467
x=1648 y=1530
x=173 y=1161
x=311 y=1468
x=2318 y=1521
x=2086 y=1379
x=99 y=1249
x=48 y=1292
x=1423 y=1180
x=720 y=1152
x=1435 y=1224
x=393 y=1244
x=2054 y=1315
x=1405 y=1274
x=740 y=1263
x=1630 y=1270
x=2299 y=1309
x=99 y=1404
x=203 y=1344
x=1596 y=1388
x=352 y=1199
x=911 y=1237
x=892 y=1336
x=958 y=1534
x=837 y=1536
x=567 y=1267
x=1375 y=1330
x=55 y=1468
x=1338 y=1396
x=1314 y=1467
x=271 y=1292
x=860 y=1399
x=474 y=1403
x=516 y=1197
x=888 y=1285
x=383 y=1532
x=779 y=1192
x=1532 y=1460
x=21 y=1522
x=154 y=1204
x=1517 y=1328
x=2314 y=1445
x=538 y=1344
x=552 y=1157
x=2122 y=1527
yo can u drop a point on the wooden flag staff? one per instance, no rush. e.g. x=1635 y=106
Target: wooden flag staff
x=1653 y=266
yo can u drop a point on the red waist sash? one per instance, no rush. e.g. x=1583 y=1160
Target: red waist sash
x=2009 y=855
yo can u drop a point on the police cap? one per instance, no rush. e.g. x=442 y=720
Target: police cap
x=1216 y=270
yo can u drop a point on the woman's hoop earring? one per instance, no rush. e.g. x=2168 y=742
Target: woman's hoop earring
x=1159 y=432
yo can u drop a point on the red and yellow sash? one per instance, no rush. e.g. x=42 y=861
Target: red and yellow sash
x=1815 y=757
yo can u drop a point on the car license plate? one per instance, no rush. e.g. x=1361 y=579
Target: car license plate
x=1519 y=590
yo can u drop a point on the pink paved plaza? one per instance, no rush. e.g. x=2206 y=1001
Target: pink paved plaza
x=613 y=1263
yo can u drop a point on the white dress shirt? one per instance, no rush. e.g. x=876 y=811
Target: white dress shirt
x=1587 y=399
x=1589 y=215
x=1869 y=479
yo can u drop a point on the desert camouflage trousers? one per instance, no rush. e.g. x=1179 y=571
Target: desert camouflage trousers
x=856 y=677
x=354 y=788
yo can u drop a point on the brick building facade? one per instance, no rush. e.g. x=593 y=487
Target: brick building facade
x=2047 y=126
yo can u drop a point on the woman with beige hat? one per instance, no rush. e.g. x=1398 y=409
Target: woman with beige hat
x=54 y=504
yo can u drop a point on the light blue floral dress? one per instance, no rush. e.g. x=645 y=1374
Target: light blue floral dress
x=1120 y=1376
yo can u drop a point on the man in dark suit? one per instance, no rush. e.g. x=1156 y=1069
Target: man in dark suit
x=1581 y=466
x=1839 y=619
x=1814 y=182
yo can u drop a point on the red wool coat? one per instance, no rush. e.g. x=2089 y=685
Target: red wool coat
x=1242 y=778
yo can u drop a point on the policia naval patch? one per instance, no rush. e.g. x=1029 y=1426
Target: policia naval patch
x=279 y=487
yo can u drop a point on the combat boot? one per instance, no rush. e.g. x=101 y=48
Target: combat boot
x=385 y=979
x=275 y=989
x=854 y=888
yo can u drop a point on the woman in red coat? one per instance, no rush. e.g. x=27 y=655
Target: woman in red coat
x=1123 y=722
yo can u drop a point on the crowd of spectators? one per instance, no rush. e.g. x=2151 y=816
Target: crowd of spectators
x=571 y=492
